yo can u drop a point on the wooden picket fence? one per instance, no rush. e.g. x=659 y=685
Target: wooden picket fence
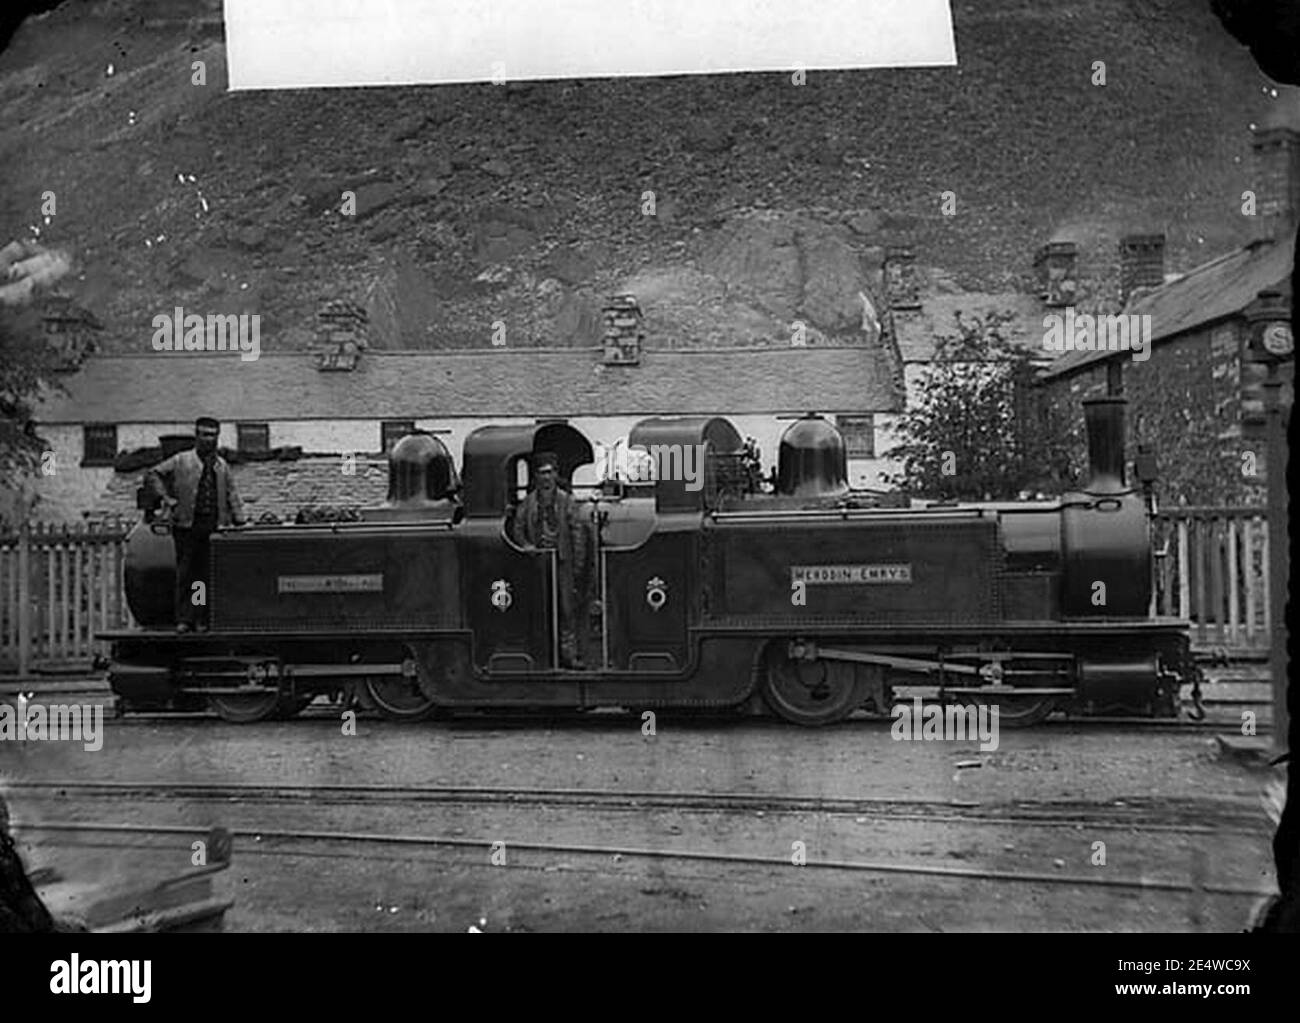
x=1215 y=574
x=69 y=581
x=59 y=585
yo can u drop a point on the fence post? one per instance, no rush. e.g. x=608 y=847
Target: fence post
x=1266 y=572
x=51 y=589
x=77 y=551
x=24 y=608
x=1249 y=543
x=1233 y=573
x=1184 y=573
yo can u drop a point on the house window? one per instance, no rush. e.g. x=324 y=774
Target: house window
x=393 y=430
x=99 y=444
x=859 y=433
x=253 y=438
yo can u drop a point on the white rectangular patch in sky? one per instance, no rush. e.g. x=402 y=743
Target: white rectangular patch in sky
x=298 y=44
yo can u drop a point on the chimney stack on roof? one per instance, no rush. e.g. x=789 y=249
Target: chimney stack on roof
x=342 y=334
x=1054 y=266
x=623 y=334
x=69 y=329
x=1277 y=182
x=901 y=283
x=1141 y=264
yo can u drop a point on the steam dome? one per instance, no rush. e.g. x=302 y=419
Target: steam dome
x=812 y=461
x=420 y=472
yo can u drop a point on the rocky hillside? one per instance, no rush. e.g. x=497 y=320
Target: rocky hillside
x=524 y=203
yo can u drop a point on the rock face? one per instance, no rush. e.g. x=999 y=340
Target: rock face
x=505 y=232
x=374 y=197
x=578 y=321
x=854 y=162
x=570 y=265
x=759 y=277
x=792 y=268
x=400 y=304
x=759 y=258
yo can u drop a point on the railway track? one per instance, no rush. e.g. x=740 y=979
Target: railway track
x=265 y=841
x=1188 y=816
x=1181 y=821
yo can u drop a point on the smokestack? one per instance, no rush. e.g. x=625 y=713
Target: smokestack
x=1141 y=264
x=1277 y=182
x=1104 y=419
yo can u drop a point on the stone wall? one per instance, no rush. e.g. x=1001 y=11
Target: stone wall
x=1186 y=400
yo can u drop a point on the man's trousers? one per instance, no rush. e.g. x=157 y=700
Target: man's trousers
x=192 y=548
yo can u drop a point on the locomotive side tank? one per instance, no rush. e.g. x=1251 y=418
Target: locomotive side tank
x=700 y=592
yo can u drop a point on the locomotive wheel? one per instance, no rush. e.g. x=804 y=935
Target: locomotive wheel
x=809 y=693
x=399 y=697
x=1016 y=711
x=243 y=709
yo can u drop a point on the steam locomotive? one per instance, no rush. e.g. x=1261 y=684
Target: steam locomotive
x=811 y=601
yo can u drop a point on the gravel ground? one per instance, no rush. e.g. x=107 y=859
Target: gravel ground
x=1099 y=784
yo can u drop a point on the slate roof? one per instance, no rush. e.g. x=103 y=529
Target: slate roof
x=1223 y=287
x=917 y=330
x=170 y=386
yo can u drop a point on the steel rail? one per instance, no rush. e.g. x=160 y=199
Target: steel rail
x=934 y=811
x=605 y=851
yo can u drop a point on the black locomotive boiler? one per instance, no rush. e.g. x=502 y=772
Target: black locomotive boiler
x=813 y=601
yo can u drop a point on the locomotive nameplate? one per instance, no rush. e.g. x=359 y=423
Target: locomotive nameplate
x=330 y=583
x=849 y=575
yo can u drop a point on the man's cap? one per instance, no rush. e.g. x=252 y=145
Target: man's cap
x=545 y=459
x=207 y=422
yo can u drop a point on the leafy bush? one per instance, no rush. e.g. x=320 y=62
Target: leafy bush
x=980 y=429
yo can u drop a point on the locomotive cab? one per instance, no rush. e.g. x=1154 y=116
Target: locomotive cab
x=632 y=587
x=512 y=593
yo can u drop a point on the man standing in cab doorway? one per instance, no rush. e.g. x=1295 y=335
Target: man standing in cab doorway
x=197 y=488
x=549 y=519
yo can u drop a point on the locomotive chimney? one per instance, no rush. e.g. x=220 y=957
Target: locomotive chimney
x=1104 y=419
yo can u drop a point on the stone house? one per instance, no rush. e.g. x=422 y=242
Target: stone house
x=1196 y=402
x=289 y=419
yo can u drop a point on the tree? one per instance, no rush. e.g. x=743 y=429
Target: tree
x=26 y=366
x=27 y=362
x=980 y=430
